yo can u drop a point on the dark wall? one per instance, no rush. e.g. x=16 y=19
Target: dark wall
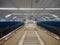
x=8 y=26
x=52 y=26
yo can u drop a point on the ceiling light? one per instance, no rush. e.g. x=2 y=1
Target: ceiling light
x=29 y=8
x=7 y=15
x=47 y=17
x=14 y=17
x=54 y=16
x=44 y=19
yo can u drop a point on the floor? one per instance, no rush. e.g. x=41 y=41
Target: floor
x=30 y=34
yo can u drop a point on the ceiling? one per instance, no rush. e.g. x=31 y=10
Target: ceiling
x=29 y=4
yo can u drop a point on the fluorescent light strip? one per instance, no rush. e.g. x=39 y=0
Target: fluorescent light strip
x=17 y=14
x=7 y=15
x=29 y=8
x=8 y=8
x=14 y=17
x=31 y=14
x=44 y=19
x=54 y=16
x=22 y=14
x=47 y=18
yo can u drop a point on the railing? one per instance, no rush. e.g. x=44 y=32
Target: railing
x=8 y=36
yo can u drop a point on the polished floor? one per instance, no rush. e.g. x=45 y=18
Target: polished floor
x=30 y=34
